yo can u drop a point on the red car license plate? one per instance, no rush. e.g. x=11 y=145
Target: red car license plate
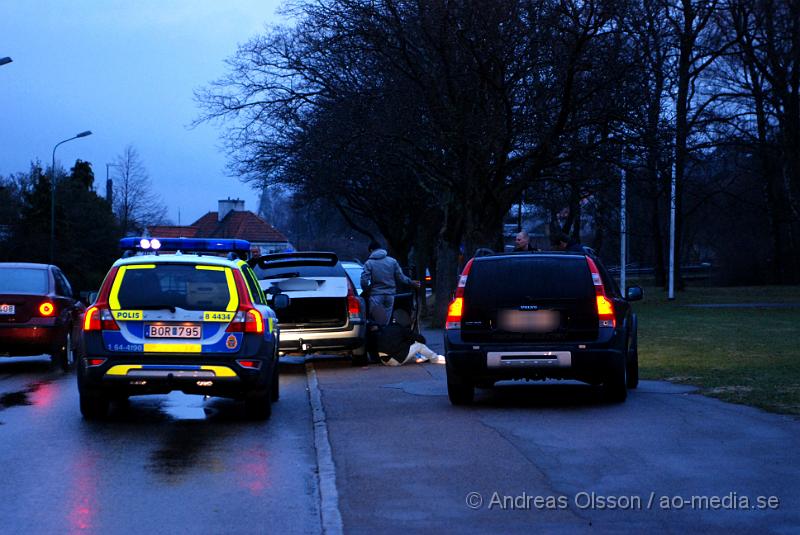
x=172 y=331
x=7 y=310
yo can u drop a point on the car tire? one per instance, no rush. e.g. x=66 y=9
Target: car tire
x=94 y=406
x=359 y=357
x=259 y=405
x=275 y=389
x=460 y=389
x=615 y=385
x=64 y=355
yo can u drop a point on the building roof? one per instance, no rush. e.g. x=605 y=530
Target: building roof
x=173 y=231
x=244 y=225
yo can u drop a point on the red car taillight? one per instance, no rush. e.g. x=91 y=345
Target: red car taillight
x=456 y=309
x=47 y=309
x=605 y=308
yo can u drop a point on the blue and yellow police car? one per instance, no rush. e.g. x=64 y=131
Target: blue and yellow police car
x=174 y=315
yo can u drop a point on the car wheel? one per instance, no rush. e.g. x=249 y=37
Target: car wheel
x=275 y=389
x=259 y=405
x=615 y=386
x=633 y=363
x=94 y=406
x=460 y=389
x=64 y=356
x=359 y=356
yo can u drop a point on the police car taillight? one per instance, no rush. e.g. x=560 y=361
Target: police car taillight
x=456 y=309
x=605 y=308
x=247 y=320
x=98 y=318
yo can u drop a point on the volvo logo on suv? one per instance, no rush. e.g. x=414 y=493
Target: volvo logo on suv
x=529 y=307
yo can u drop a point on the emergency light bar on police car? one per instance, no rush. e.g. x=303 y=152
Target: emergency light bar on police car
x=194 y=245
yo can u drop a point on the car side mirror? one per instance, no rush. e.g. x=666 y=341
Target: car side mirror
x=634 y=293
x=91 y=297
x=280 y=301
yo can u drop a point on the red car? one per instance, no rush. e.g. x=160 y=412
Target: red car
x=38 y=313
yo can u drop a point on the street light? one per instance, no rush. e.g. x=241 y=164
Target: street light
x=53 y=193
x=5 y=60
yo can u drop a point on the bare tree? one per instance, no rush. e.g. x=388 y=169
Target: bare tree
x=135 y=203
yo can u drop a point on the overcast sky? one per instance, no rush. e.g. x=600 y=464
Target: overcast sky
x=126 y=71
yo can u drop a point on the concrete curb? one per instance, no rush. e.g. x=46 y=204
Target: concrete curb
x=331 y=518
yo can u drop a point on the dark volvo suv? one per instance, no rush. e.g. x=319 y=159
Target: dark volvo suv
x=538 y=316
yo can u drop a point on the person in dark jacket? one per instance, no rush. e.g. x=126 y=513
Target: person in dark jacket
x=562 y=242
x=380 y=278
x=522 y=242
x=397 y=344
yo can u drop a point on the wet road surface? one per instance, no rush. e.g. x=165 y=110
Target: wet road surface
x=381 y=450
x=160 y=464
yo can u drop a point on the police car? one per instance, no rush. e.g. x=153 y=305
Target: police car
x=188 y=320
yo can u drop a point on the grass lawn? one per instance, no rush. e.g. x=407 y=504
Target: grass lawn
x=745 y=355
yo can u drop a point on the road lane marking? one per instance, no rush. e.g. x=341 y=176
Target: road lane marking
x=326 y=470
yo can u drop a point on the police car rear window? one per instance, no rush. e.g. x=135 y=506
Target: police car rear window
x=23 y=281
x=174 y=285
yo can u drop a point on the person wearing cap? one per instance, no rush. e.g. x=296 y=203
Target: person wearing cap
x=380 y=278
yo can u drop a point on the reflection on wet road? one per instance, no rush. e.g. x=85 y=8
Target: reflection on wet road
x=173 y=463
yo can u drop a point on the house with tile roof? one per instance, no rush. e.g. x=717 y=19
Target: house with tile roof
x=230 y=221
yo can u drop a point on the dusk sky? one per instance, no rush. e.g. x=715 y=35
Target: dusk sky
x=127 y=72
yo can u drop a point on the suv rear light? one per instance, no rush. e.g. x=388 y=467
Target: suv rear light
x=99 y=319
x=456 y=309
x=353 y=303
x=47 y=309
x=247 y=320
x=605 y=307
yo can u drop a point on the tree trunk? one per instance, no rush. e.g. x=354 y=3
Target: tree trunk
x=447 y=260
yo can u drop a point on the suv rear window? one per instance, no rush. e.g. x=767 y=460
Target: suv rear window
x=185 y=286
x=509 y=281
x=23 y=281
x=307 y=270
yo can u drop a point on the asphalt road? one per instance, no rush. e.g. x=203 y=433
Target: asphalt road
x=161 y=464
x=380 y=449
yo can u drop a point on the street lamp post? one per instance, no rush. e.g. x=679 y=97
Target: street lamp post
x=5 y=60
x=53 y=193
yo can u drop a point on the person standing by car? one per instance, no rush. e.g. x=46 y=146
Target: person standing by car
x=522 y=242
x=380 y=277
x=563 y=242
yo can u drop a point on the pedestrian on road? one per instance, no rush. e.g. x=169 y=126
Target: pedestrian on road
x=380 y=278
x=523 y=242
